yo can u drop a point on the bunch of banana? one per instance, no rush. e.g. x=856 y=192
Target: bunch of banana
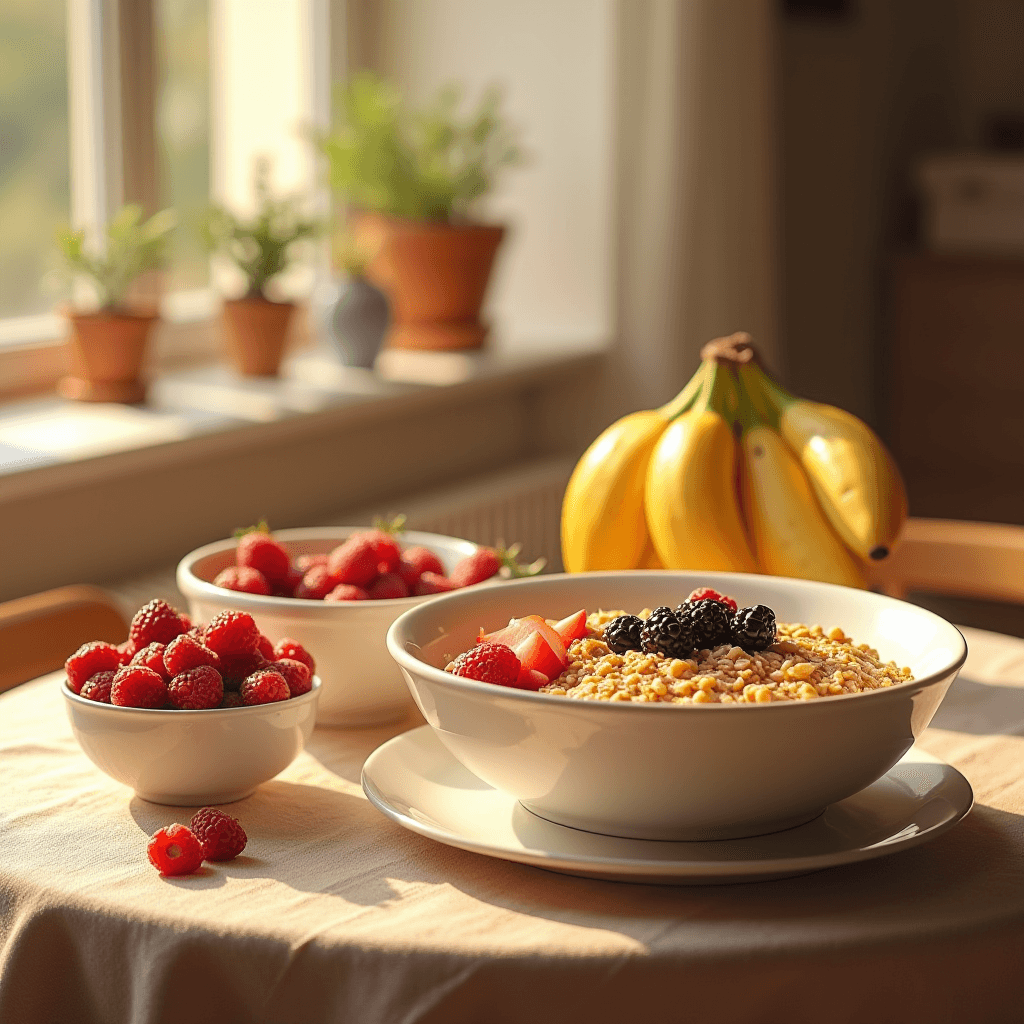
x=808 y=490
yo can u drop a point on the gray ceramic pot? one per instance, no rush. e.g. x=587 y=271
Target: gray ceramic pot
x=359 y=321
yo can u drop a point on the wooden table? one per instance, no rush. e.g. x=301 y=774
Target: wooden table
x=336 y=914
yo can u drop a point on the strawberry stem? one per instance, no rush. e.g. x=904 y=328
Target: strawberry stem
x=394 y=524
x=261 y=527
x=510 y=567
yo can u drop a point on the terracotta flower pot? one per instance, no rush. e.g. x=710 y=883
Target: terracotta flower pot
x=107 y=351
x=435 y=275
x=255 y=332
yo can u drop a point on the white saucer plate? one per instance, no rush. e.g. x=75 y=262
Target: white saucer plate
x=415 y=781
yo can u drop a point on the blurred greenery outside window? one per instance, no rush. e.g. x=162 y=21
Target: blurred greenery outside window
x=35 y=187
x=183 y=132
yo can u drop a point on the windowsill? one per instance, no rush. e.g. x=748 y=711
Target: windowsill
x=48 y=443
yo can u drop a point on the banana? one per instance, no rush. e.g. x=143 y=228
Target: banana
x=855 y=479
x=690 y=495
x=649 y=559
x=791 y=535
x=602 y=511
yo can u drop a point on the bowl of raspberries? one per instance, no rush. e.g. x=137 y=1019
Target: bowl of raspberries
x=192 y=715
x=337 y=590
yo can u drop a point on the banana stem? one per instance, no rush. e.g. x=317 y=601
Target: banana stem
x=748 y=414
x=686 y=398
x=768 y=399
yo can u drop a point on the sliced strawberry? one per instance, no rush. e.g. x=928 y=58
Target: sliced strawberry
x=530 y=679
x=572 y=627
x=551 y=636
x=535 y=654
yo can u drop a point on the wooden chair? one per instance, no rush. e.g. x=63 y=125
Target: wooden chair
x=953 y=558
x=39 y=633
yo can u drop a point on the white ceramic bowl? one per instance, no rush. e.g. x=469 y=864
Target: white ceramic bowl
x=362 y=684
x=676 y=771
x=193 y=758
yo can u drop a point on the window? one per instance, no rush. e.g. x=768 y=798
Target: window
x=34 y=168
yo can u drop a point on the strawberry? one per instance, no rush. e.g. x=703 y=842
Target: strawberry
x=306 y=562
x=707 y=594
x=535 y=655
x=355 y=561
x=387 y=586
x=420 y=560
x=432 y=583
x=346 y=592
x=243 y=578
x=258 y=550
x=572 y=627
x=488 y=663
x=316 y=584
x=475 y=568
x=548 y=656
x=531 y=679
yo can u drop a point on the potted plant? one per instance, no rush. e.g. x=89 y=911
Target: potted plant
x=358 y=317
x=413 y=180
x=255 y=325
x=108 y=335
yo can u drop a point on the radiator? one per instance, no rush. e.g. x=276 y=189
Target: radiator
x=519 y=505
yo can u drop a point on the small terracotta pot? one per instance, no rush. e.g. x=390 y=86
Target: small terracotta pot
x=255 y=332
x=107 y=351
x=435 y=275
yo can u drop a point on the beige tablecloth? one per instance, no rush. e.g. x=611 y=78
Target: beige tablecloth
x=336 y=914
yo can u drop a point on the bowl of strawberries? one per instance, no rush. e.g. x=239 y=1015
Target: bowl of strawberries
x=337 y=590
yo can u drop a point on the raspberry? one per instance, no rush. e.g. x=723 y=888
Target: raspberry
x=258 y=550
x=475 y=568
x=188 y=651
x=89 y=659
x=232 y=699
x=221 y=836
x=135 y=686
x=244 y=579
x=316 y=584
x=97 y=687
x=232 y=633
x=419 y=560
x=186 y=622
x=488 y=662
x=355 y=561
x=707 y=594
x=289 y=648
x=152 y=656
x=127 y=651
x=156 y=622
x=264 y=687
x=235 y=667
x=265 y=647
x=432 y=583
x=197 y=689
x=388 y=586
x=296 y=675
x=175 y=851
x=306 y=562
x=346 y=592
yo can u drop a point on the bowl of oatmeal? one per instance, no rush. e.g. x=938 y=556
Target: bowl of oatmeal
x=711 y=743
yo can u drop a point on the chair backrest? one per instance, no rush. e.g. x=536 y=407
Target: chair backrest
x=39 y=633
x=954 y=558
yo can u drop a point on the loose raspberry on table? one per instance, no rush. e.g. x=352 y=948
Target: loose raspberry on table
x=188 y=651
x=432 y=583
x=421 y=560
x=235 y=667
x=388 y=586
x=243 y=579
x=152 y=656
x=707 y=594
x=258 y=550
x=475 y=568
x=267 y=686
x=97 y=687
x=232 y=633
x=90 y=658
x=221 y=836
x=175 y=850
x=135 y=686
x=316 y=584
x=489 y=663
x=356 y=561
x=296 y=675
x=155 y=622
x=286 y=647
x=196 y=689
x=346 y=592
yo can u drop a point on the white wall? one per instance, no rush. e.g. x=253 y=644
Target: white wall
x=555 y=61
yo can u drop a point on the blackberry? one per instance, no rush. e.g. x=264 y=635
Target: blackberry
x=753 y=629
x=709 y=621
x=623 y=634
x=667 y=633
